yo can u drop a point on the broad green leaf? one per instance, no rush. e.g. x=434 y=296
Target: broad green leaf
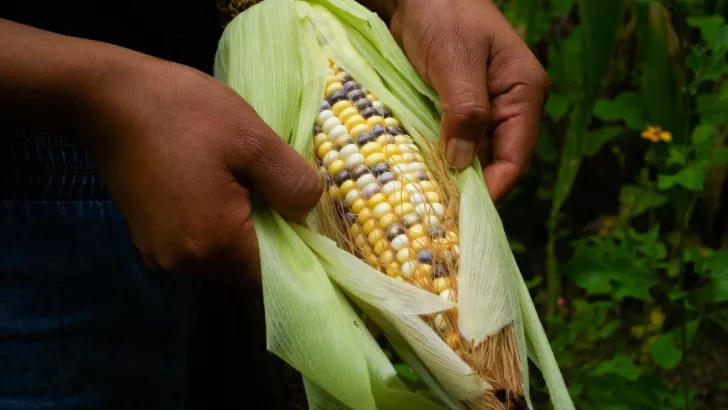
x=710 y=26
x=600 y=22
x=675 y=156
x=704 y=133
x=625 y=107
x=559 y=104
x=662 y=77
x=665 y=351
x=712 y=109
x=692 y=178
x=636 y=200
x=595 y=139
x=620 y=365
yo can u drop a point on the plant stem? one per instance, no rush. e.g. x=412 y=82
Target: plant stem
x=553 y=280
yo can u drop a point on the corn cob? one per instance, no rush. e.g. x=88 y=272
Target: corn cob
x=390 y=209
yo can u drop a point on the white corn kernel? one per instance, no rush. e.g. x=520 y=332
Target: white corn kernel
x=417 y=166
x=400 y=242
x=447 y=295
x=439 y=209
x=330 y=124
x=424 y=209
x=440 y=322
x=382 y=209
x=352 y=196
x=338 y=131
x=348 y=151
x=417 y=199
x=408 y=268
x=402 y=168
x=413 y=188
x=323 y=116
x=377 y=104
x=365 y=180
x=391 y=187
x=354 y=160
x=330 y=157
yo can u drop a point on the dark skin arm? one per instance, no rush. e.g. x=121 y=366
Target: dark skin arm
x=181 y=153
x=492 y=88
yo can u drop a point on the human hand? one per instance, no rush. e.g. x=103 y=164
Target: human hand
x=182 y=154
x=488 y=81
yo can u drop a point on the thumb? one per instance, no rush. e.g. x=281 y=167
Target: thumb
x=461 y=84
x=276 y=172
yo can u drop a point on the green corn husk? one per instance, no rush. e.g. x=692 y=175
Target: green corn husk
x=275 y=55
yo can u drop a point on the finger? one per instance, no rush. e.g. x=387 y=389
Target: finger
x=281 y=176
x=461 y=81
x=517 y=115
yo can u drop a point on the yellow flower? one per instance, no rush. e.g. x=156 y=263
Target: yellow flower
x=656 y=134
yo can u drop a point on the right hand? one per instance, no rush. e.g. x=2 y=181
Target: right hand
x=182 y=154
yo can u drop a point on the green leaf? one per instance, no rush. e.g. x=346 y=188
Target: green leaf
x=703 y=134
x=620 y=365
x=662 y=75
x=545 y=148
x=717 y=290
x=692 y=178
x=665 y=351
x=636 y=200
x=600 y=22
x=723 y=94
x=675 y=155
x=558 y=104
x=713 y=110
x=710 y=26
x=595 y=139
x=561 y=7
x=625 y=107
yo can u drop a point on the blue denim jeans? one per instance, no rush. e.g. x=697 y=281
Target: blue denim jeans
x=83 y=323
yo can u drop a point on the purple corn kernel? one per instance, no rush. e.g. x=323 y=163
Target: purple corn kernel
x=362 y=103
x=342 y=177
x=394 y=231
x=358 y=171
x=368 y=112
x=325 y=105
x=385 y=178
x=364 y=139
x=336 y=97
x=439 y=271
x=350 y=86
x=380 y=168
x=436 y=231
x=356 y=95
x=385 y=113
x=378 y=130
x=425 y=256
x=395 y=130
x=422 y=176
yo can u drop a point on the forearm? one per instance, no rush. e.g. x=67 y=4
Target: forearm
x=50 y=81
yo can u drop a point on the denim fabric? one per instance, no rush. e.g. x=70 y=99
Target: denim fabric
x=83 y=324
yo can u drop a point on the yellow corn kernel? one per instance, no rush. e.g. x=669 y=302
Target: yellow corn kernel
x=358 y=205
x=334 y=193
x=440 y=245
x=453 y=340
x=372 y=260
x=452 y=237
x=355 y=230
x=391 y=149
x=420 y=158
x=341 y=106
x=353 y=121
x=320 y=139
x=370 y=148
x=403 y=209
x=334 y=87
x=324 y=148
x=358 y=130
x=375 y=200
x=332 y=79
x=381 y=246
x=375 y=120
x=361 y=242
x=398 y=197
x=427 y=186
x=336 y=167
x=405 y=255
x=423 y=270
x=387 y=220
x=346 y=187
x=441 y=284
x=347 y=113
x=432 y=197
x=375 y=236
x=363 y=216
x=416 y=231
x=374 y=159
x=393 y=270
x=420 y=244
x=369 y=226
x=371 y=97
x=391 y=122
x=387 y=257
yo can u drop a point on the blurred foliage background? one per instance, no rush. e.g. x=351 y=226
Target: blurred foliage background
x=621 y=226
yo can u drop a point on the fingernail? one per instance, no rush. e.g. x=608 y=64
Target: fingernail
x=459 y=153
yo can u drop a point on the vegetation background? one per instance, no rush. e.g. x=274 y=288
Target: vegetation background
x=621 y=226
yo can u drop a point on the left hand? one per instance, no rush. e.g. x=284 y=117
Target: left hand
x=488 y=81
